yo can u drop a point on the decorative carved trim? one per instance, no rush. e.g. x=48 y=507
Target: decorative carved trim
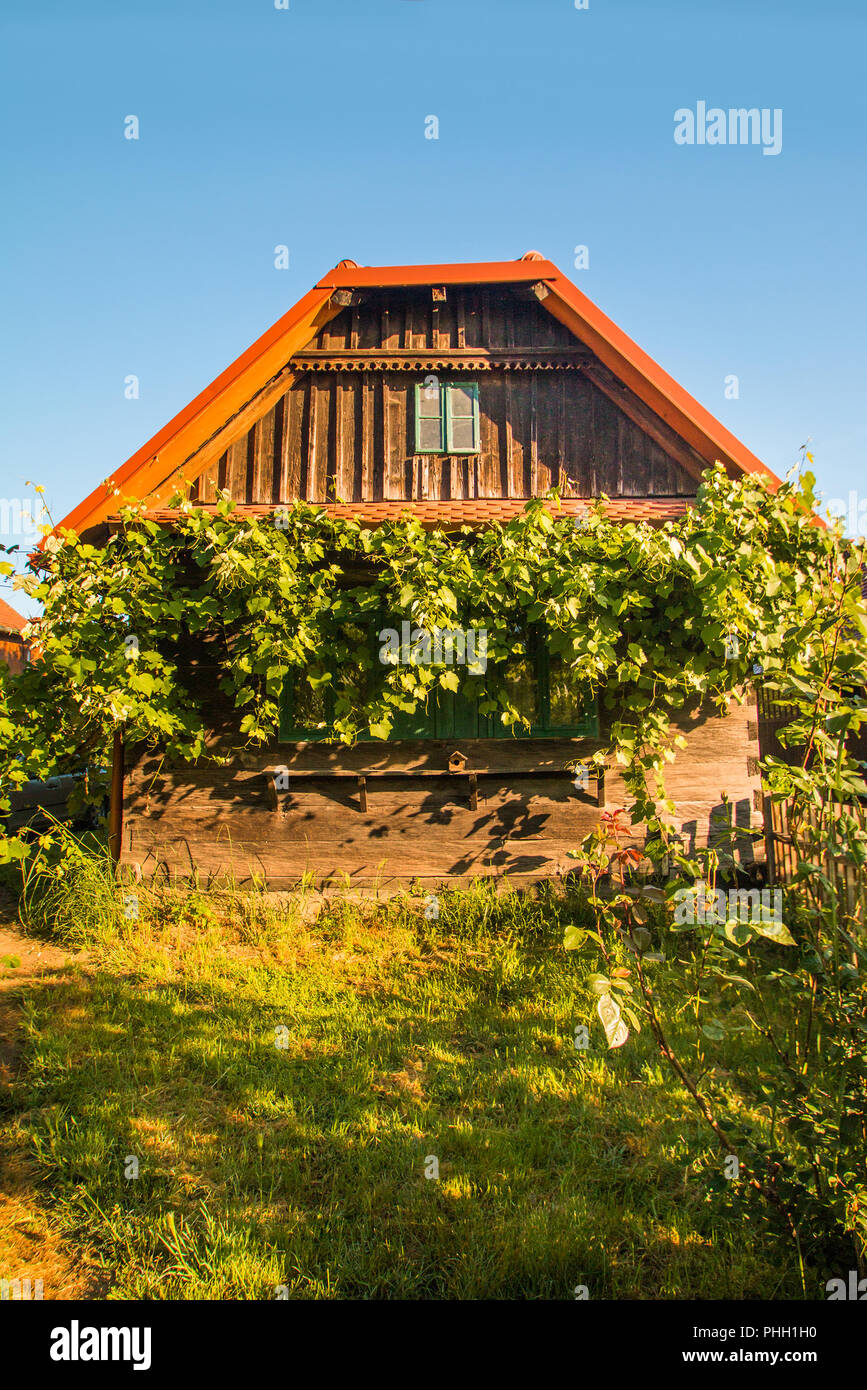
x=449 y=359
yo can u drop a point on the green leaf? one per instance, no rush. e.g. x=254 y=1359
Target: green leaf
x=775 y=931
x=737 y=932
x=448 y=599
x=736 y=980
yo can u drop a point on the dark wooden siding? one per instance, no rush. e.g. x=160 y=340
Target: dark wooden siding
x=344 y=430
x=228 y=819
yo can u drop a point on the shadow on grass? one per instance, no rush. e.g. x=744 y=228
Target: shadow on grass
x=409 y=1139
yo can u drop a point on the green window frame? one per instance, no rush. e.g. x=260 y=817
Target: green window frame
x=447 y=418
x=559 y=717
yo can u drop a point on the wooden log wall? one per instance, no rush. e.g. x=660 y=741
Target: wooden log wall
x=714 y=782
x=551 y=414
x=410 y=817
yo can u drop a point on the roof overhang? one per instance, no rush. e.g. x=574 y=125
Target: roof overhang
x=452 y=514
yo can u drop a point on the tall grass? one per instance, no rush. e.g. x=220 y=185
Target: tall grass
x=69 y=891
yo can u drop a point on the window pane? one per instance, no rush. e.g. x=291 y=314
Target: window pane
x=461 y=401
x=523 y=691
x=310 y=709
x=429 y=436
x=567 y=698
x=463 y=435
x=429 y=400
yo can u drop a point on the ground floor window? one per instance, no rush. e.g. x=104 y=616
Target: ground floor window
x=541 y=687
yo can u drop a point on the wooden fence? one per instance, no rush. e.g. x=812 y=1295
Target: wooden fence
x=781 y=841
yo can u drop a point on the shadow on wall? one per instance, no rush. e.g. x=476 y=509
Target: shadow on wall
x=728 y=832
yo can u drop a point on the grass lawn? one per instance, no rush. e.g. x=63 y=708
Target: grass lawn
x=304 y=1165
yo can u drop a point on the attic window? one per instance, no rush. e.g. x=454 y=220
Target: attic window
x=446 y=417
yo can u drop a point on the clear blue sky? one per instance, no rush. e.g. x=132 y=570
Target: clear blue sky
x=305 y=127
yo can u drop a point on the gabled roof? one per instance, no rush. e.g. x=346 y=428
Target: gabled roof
x=10 y=621
x=148 y=472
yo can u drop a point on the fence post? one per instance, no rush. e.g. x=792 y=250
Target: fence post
x=115 y=814
x=768 y=822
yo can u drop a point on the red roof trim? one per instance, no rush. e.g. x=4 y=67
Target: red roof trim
x=482 y=273
x=10 y=621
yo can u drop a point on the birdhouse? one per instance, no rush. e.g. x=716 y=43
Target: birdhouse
x=457 y=761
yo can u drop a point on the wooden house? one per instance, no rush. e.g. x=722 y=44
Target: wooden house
x=536 y=389
x=14 y=650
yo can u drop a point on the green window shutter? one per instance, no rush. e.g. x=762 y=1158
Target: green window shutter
x=436 y=720
x=462 y=418
x=429 y=418
x=469 y=723
x=447 y=417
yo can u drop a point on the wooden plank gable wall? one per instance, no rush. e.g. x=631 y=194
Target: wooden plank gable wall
x=410 y=818
x=343 y=429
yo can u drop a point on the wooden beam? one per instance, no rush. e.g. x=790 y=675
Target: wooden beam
x=115 y=815
x=234 y=429
x=646 y=420
x=534 y=293
x=495 y=356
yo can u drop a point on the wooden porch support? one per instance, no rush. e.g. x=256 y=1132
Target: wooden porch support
x=115 y=814
x=600 y=789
